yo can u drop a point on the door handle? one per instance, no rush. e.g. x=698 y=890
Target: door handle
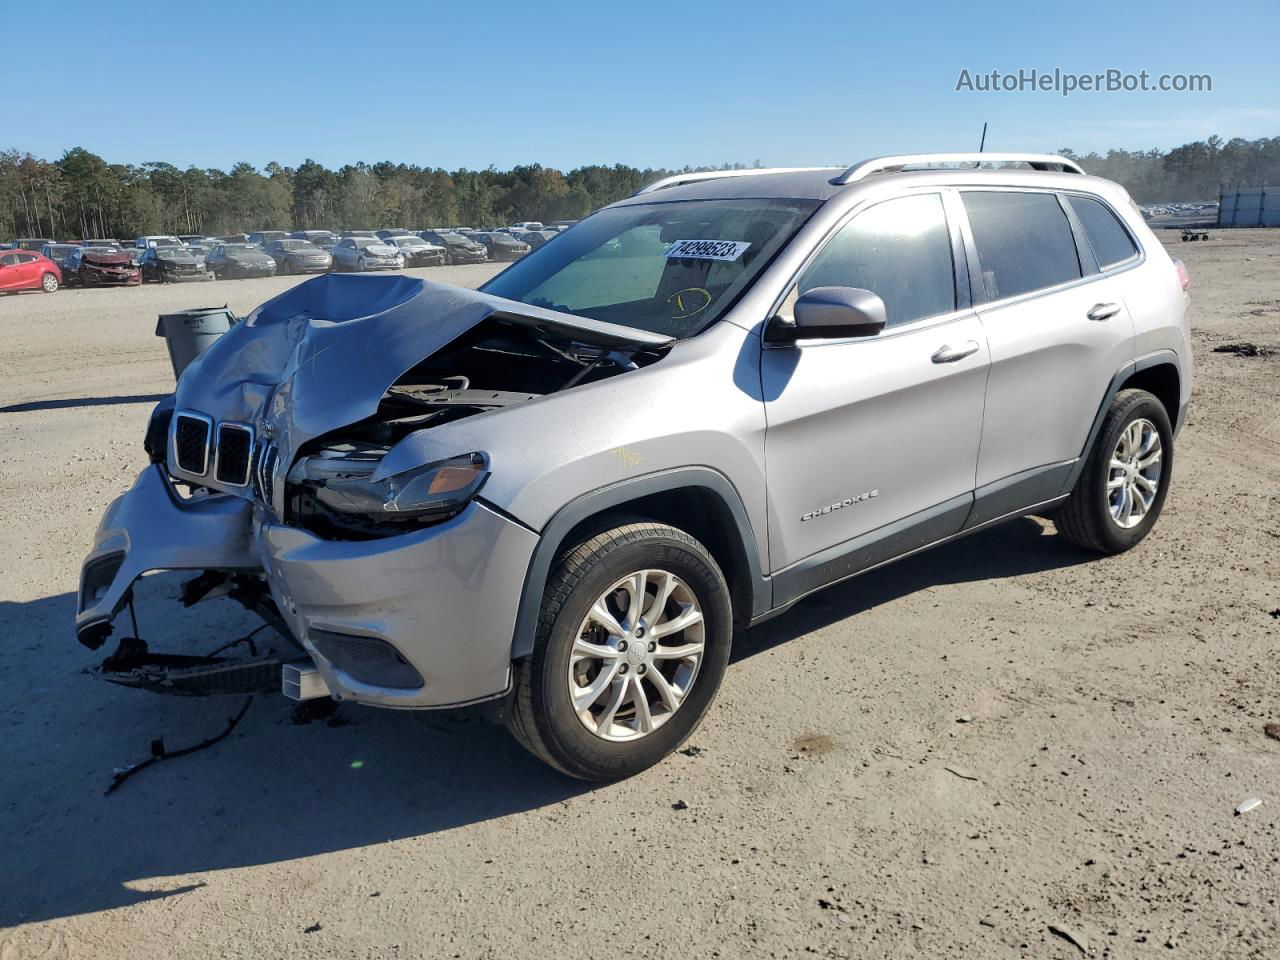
x=1103 y=311
x=950 y=354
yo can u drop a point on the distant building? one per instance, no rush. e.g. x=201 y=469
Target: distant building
x=1249 y=207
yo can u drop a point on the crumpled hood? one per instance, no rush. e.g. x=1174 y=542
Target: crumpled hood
x=106 y=258
x=321 y=355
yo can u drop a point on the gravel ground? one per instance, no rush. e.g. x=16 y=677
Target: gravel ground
x=956 y=755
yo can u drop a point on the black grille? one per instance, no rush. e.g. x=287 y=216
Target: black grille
x=235 y=450
x=191 y=444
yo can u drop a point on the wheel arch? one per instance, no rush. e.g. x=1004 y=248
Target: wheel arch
x=1162 y=380
x=698 y=500
x=1158 y=373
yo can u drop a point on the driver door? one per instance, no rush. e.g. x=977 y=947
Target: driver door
x=872 y=443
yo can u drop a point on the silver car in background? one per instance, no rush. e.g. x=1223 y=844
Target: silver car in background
x=365 y=253
x=563 y=494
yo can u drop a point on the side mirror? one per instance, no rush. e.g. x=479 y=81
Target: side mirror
x=831 y=312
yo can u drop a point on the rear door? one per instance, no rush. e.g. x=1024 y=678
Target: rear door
x=1058 y=329
x=872 y=442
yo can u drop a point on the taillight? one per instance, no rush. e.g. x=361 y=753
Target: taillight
x=1183 y=277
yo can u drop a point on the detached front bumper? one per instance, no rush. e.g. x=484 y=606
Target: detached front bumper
x=424 y=619
x=152 y=528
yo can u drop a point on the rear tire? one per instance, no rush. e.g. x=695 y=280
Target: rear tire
x=667 y=655
x=1113 y=506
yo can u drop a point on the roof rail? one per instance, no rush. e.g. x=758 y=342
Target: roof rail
x=682 y=178
x=1037 y=161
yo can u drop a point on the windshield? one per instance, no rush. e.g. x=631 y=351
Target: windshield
x=297 y=245
x=233 y=249
x=669 y=268
x=409 y=241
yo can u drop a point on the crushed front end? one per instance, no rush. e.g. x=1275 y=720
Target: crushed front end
x=267 y=483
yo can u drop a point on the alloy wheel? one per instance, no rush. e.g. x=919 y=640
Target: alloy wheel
x=636 y=655
x=1133 y=479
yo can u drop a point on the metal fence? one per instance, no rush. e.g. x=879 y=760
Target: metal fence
x=1249 y=207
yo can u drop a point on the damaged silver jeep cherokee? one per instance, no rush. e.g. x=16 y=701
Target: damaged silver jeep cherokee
x=564 y=493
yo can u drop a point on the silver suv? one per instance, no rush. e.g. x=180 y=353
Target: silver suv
x=565 y=493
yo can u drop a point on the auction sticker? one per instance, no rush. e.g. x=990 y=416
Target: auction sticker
x=707 y=249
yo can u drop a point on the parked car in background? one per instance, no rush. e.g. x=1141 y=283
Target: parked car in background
x=156 y=240
x=503 y=246
x=28 y=270
x=101 y=243
x=536 y=238
x=298 y=256
x=527 y=225
x=173 y=264
x=368 y=234
x=193 y=239
x=100 y=266
x=389 y=232
x=58 y=253
x=324 y=239
x=234 y=238
x=562 y=225
x=263 y=237
x=365 y=253
x=31 y=243
x=417 y=252
x=460 y=249
x=239 y=261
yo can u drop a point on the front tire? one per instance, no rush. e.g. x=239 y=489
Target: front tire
x=361 y=266
x=632 y=643
x=1122 y=488
x=49 y=283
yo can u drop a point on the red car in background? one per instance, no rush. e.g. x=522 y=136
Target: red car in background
x=28 y=270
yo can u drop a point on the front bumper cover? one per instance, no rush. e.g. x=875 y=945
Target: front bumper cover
x=443 y=598
x=152 y=528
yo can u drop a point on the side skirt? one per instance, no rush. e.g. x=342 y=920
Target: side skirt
x=931 y=528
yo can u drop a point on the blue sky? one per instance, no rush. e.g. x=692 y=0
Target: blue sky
x=657 y=84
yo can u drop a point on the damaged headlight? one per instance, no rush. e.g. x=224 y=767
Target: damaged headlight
x=338 y=484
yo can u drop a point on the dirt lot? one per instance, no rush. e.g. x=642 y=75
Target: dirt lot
x=837 y=805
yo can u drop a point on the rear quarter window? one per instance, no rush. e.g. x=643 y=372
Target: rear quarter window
x=1109 y=240
x=1024 y=241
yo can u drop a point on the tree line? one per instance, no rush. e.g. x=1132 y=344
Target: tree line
x=82 y=196
x=1193 y=171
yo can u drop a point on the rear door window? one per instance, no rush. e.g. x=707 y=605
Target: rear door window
x=900 y=250
x=1110 y=242
x=1024 y=241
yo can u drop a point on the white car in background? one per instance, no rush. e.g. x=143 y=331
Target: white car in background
x=364 y=253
